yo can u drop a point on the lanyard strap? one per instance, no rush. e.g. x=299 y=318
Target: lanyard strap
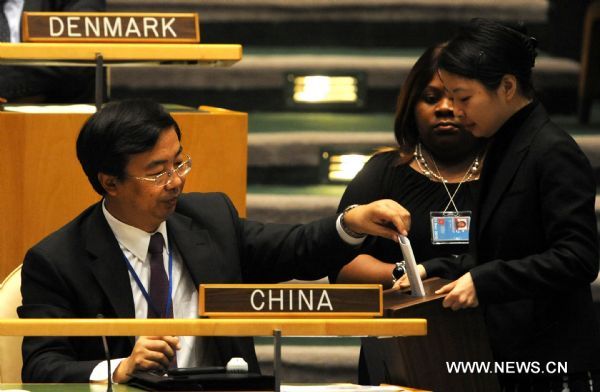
x=428 y=172
x=451 y=195
x=143 y=289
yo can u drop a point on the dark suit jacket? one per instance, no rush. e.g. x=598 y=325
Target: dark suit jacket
x=64 y=5
x=79 y=271
x=534 y=248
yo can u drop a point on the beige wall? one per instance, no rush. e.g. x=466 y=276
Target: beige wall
x=42 y=185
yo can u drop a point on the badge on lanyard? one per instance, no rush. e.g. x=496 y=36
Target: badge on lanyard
x=447 y=226
x=450 y=227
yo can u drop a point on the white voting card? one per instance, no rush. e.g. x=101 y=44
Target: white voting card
x=416 y=284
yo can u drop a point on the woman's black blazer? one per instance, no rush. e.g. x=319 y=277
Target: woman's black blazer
x=534 y=247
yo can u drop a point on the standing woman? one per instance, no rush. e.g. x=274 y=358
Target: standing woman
x=434 y=170
x=534 y=247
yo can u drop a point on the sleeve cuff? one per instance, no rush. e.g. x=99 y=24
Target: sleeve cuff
x=101 y=370
x=344 y=236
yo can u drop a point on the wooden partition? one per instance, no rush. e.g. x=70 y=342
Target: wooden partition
x=43 y=186
x=452 y=336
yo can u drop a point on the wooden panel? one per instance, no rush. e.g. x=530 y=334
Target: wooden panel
x=39 y=52
x=43 y=186
x=589 y=75
x=209 y=327
x=218 y=144
x=452 y=336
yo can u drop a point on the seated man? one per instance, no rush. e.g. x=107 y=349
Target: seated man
x=111 y=259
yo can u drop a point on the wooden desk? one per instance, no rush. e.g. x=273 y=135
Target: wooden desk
x=213 y=327
x=71 y=387
x=43 y=186
x=218 y=327
x=125 y=388
x=107 y=55
x=84 y=54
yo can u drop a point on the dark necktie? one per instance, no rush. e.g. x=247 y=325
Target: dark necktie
x=4 y=28
x=159 y=283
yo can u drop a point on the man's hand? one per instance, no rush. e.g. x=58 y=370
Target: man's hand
x=149 y=352
x=461 y=293
x=403 y=282
x=384 y=218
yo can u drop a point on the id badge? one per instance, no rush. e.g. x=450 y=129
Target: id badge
x=450 y=227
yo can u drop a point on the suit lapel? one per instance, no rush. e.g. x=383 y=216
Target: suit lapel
x=108 y=264
x=512 y=159
x=504 y=175
x=193 y=243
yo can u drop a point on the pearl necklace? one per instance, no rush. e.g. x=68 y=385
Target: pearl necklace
x=424 y=167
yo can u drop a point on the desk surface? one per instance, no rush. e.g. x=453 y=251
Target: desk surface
x=84 y=54
x=66 y=387
x=213 y=327
x=126 y=388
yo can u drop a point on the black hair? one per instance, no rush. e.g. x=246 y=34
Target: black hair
x=419 y=77
x=487 y=50
x=118 y=130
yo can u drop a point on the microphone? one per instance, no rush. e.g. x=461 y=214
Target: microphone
x=107 y=357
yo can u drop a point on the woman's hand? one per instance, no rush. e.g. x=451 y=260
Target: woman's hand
x=461 y=293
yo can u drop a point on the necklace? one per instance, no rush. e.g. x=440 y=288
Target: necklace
x=426 y=170
x=424 y=167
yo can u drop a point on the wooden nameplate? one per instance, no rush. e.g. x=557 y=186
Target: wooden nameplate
x=115 y=27
x=290 y=300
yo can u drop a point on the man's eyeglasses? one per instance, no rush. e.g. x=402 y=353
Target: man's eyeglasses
x=166 y=177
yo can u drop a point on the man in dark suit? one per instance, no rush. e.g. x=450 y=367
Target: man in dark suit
x=102 y=263
x=44 y=84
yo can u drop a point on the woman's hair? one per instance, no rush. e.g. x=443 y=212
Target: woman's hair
x=487 y=50
x=405 y=124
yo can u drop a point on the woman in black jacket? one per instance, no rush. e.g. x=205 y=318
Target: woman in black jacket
x=533 y=241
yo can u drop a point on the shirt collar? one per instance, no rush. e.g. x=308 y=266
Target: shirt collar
x=515 y=121
x=131 y=238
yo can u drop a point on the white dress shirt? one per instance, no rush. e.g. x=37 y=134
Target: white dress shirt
x=13 y=9
x=134 y=244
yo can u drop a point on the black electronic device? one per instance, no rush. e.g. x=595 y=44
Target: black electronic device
x=199 y=381
x=196 y=370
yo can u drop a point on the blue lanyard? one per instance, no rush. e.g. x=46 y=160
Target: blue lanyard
x=143 y=289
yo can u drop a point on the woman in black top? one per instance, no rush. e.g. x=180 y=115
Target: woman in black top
x=534 y=247
x=432 y=147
